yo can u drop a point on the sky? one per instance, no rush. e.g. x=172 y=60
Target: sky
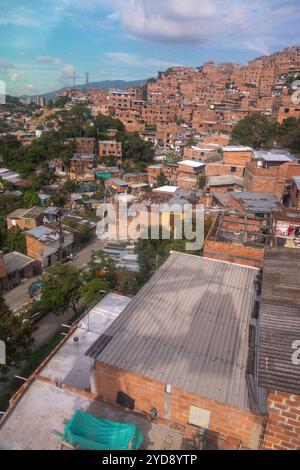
x=43 y=42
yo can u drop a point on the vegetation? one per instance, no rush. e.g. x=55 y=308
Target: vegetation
x=60 y=289
x=161 y=180
x=256 y=131
x=16 y=332
x=92 y=290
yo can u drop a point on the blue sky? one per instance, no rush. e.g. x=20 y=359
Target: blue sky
x=43 y=41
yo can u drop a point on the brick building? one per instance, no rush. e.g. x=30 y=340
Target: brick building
x=47 y=245
x=85 y=145
x=180 y=324
x=25 y=218
x=14 y=267
x=224 y=183
x=82 y=168
x=237 y=238
x=110 y=149
x=189 y=173
x=268 y=172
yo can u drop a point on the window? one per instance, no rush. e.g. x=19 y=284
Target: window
x=233 y=169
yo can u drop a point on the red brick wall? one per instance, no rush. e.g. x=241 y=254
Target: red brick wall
x=283 y=429
x=270 y=180
x=219 y=169
x=174 y=409
x=24 y=224
x=237 y=158
x=239 y=254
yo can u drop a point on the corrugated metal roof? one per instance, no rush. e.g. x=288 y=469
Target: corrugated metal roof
x=257 y=202
x=16 y=262
x=188 y=327
x=279 y=320
x=225 y=180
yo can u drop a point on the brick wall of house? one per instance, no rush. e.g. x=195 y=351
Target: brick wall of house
x=23 y=223
x=34 y=248
x=219 y=169
x=283 y=425
x=239 y=254
x=237 y=158
x=293 y=170
x=267 y=180
x=173 y=409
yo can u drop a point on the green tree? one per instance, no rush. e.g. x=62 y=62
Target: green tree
x=93 y=290
x=161 y=180
x=14 y=241
x=16 y=332
x=256 y=131
x=289 y=134
x=30 y=198
x=58 y=200
x=83 y=234
x=60 y=288
x=69 y=186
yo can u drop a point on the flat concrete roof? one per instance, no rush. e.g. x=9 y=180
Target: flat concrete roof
x=192 y=163
x=45 y=409
x=70 y=366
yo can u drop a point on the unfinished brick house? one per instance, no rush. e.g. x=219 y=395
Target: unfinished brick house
x=47 y=245
x=259 y=204
x=153 y=173
x=268 y=172
x=224 y=183
x=85 y=145
x=188 y=174
x=237 y=238
x=110 y=149
x=82 y=168
x=25 y=218
x=170 y=354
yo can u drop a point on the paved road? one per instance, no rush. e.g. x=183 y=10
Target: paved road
x=18 y=296
x=85 y=255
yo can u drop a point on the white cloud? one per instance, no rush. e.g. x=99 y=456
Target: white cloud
x=197 y=22
x=134 y=60
x=67 y=70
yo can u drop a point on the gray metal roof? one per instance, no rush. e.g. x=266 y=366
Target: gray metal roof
x=16 y=262
x=188 y=327
x=279 y=320
x=257 y=202
x=225 y=180
x=40 y=231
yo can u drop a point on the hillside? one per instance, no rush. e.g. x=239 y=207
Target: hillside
x=120 y=84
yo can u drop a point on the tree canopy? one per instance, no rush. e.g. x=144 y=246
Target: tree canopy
x=60 y=288
x=255 y=130
x=16 y=333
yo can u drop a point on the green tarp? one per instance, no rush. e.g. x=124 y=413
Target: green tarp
x=89 y=433
x=105 y=176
